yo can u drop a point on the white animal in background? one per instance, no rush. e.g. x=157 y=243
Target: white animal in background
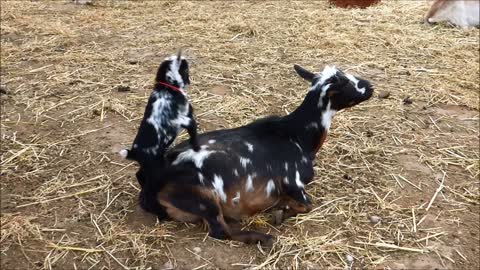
x=464 y=13
x=83 y=2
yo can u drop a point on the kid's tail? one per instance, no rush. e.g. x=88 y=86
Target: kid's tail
x=132 y=155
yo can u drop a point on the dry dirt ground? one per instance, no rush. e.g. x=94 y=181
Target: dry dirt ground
x=75 y=80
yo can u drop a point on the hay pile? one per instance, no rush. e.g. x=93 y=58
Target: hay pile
x=396 y=182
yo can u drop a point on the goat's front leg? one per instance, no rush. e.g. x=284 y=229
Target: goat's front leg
x=192 y=132
x=290 y=207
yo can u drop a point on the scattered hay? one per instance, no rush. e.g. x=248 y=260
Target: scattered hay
x=69 y=198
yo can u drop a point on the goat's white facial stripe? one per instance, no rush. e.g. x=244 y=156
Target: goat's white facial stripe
x=354 y=81
x=270 y=187
x=245 y=162
x=297 y=180
x=327 y=116
x=191 y=155
x=218 y=187
x=173 y=73
x=327 y=73
x=249 y=184
x=249 y=146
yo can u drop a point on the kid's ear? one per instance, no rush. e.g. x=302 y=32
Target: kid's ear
x=305 y=74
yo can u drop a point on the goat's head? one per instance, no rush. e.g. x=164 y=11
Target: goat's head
x=337 y=90
x=174 y=70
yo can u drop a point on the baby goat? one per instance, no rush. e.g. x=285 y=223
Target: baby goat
x=243 y=171
x=166 y=114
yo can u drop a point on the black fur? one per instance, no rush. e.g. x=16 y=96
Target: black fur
x=268 y=143
x=167 y=112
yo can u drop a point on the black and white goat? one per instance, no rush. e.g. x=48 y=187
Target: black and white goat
x=243 y=171
x=166 y=114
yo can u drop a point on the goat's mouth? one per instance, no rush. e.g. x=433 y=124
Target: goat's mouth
x=368 y=93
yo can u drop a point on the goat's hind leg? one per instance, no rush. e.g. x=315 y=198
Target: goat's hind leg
x=186 y=203
x=198 y=202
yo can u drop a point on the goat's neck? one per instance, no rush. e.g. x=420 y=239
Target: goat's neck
x=309 y=124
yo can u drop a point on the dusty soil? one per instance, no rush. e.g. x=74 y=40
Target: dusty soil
x=69 y=202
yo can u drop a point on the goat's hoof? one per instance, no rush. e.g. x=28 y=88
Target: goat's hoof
x=218 y=234
x=277 y=217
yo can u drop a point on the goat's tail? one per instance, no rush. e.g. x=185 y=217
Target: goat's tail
x=128 y=154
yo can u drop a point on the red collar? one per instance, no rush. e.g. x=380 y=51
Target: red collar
x=171 y=87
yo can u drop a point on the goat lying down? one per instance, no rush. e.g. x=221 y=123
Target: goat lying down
x=243 y=171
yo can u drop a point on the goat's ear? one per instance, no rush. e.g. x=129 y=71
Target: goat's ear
x=307 y=75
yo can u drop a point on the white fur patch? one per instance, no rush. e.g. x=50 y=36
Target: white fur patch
x=201 y=178
x=304 y=159
x=211 y=141
x=327 y=116
x=270 y=187
x=123 y=153
x=236 y=199
x=157 y=116
x=304 y=195
x=235 y=172
x=245 y=162
x=191 y=155
x=297 y=180
x=286 y=166
x=313 y=125
x=182 y=121
x=249 y=184
x=285 y=180
x=249 y=146
x=218 y=187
